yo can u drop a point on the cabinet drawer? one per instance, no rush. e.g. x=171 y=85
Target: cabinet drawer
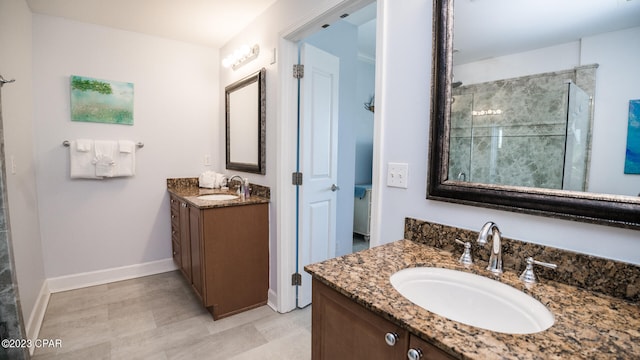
x=174 y=202
x=177 y=258
x=175 y=217
x=175 y=232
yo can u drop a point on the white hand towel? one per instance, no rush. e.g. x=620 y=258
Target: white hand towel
x=83 y=145
x=81 y=161
x=125 y=159
x=126 y=146
x=104 y=157
x=220 y=180
x=207 y=180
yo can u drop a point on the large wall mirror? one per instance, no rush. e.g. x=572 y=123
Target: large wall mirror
x=531 y=107
x=245 y=107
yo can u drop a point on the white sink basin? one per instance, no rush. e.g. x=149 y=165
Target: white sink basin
x=473 y=300
x=217 y=197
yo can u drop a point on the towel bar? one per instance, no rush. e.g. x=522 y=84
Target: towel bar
x=67 y=143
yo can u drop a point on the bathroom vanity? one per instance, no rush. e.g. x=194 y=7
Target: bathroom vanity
x=222 y=248
x=356 y=309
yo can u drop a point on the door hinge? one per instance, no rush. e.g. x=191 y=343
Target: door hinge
x=296 y=279
x=298 y=71
x=296 y=178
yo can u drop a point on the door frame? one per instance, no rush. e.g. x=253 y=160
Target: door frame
x=286 y=137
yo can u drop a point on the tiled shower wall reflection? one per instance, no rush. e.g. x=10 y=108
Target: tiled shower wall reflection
x=514 y=131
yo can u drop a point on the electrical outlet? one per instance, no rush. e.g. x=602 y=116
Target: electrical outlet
x=207 y=160
x=13 y=165
x=397 y=175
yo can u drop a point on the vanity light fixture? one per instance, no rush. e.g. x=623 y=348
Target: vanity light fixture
x=241 y=56
x=486 y=112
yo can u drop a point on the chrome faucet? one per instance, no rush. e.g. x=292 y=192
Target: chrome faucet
x=495 y=259
x=241 y=186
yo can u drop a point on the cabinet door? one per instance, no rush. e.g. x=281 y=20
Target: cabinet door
x=342 y=329
x=195 y=244
x=426 y=350
x=185 y=250
x=236 y=258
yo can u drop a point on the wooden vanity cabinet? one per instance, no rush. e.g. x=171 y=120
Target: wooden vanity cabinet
x=223 y=253
x=343 y=329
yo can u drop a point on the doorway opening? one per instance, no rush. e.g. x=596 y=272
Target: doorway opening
x=335 y=141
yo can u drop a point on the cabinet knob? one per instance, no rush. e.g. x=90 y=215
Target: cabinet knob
x=391 y=338
x=414 y=354
x=183 y=205
x=172 y=201
x=173 y=216
x=175 y=253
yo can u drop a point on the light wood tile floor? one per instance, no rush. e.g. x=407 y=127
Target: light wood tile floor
x=158 y=317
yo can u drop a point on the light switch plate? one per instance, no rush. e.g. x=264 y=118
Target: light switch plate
x=397 y=175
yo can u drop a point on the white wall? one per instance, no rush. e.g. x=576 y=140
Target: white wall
x=617 y=82
x=363 y=125
x=90 y=225
x=17 y=108
x=404 y=73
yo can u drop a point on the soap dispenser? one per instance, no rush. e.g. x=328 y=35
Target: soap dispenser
x=247 y=192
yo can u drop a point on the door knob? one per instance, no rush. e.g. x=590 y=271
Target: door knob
x=335 y=187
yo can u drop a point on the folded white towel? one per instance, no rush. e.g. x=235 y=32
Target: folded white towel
x=207 y=180
x=221 y=180
x=104 y=157
x=125 y=159
x=126 y=146
x=83 y=145
x=81 y=161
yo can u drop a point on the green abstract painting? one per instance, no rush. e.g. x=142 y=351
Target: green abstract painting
x=102 y=101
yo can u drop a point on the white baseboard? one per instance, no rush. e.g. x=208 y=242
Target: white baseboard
x=77 y=281
x=37 y=314
x=272 y=300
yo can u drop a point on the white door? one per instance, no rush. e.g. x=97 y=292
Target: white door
x=318 y=158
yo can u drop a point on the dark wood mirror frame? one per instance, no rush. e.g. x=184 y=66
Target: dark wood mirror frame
x=259 y=121
x=612 y=210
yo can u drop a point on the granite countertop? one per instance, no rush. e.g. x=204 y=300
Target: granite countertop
x=588 y=325
x=190 y=195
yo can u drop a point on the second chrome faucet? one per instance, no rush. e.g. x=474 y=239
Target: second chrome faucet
x=495 y=258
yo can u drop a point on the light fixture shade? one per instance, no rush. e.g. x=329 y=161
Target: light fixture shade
x=240 y=56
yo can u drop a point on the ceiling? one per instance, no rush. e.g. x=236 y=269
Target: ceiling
x=206 y=22
x=488 y=28
x=483 y=28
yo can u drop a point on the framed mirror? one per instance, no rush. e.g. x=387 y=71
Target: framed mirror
x=507 y=80
x=245 y=108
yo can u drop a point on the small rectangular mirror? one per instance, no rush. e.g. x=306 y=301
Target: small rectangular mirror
x=245 y=108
